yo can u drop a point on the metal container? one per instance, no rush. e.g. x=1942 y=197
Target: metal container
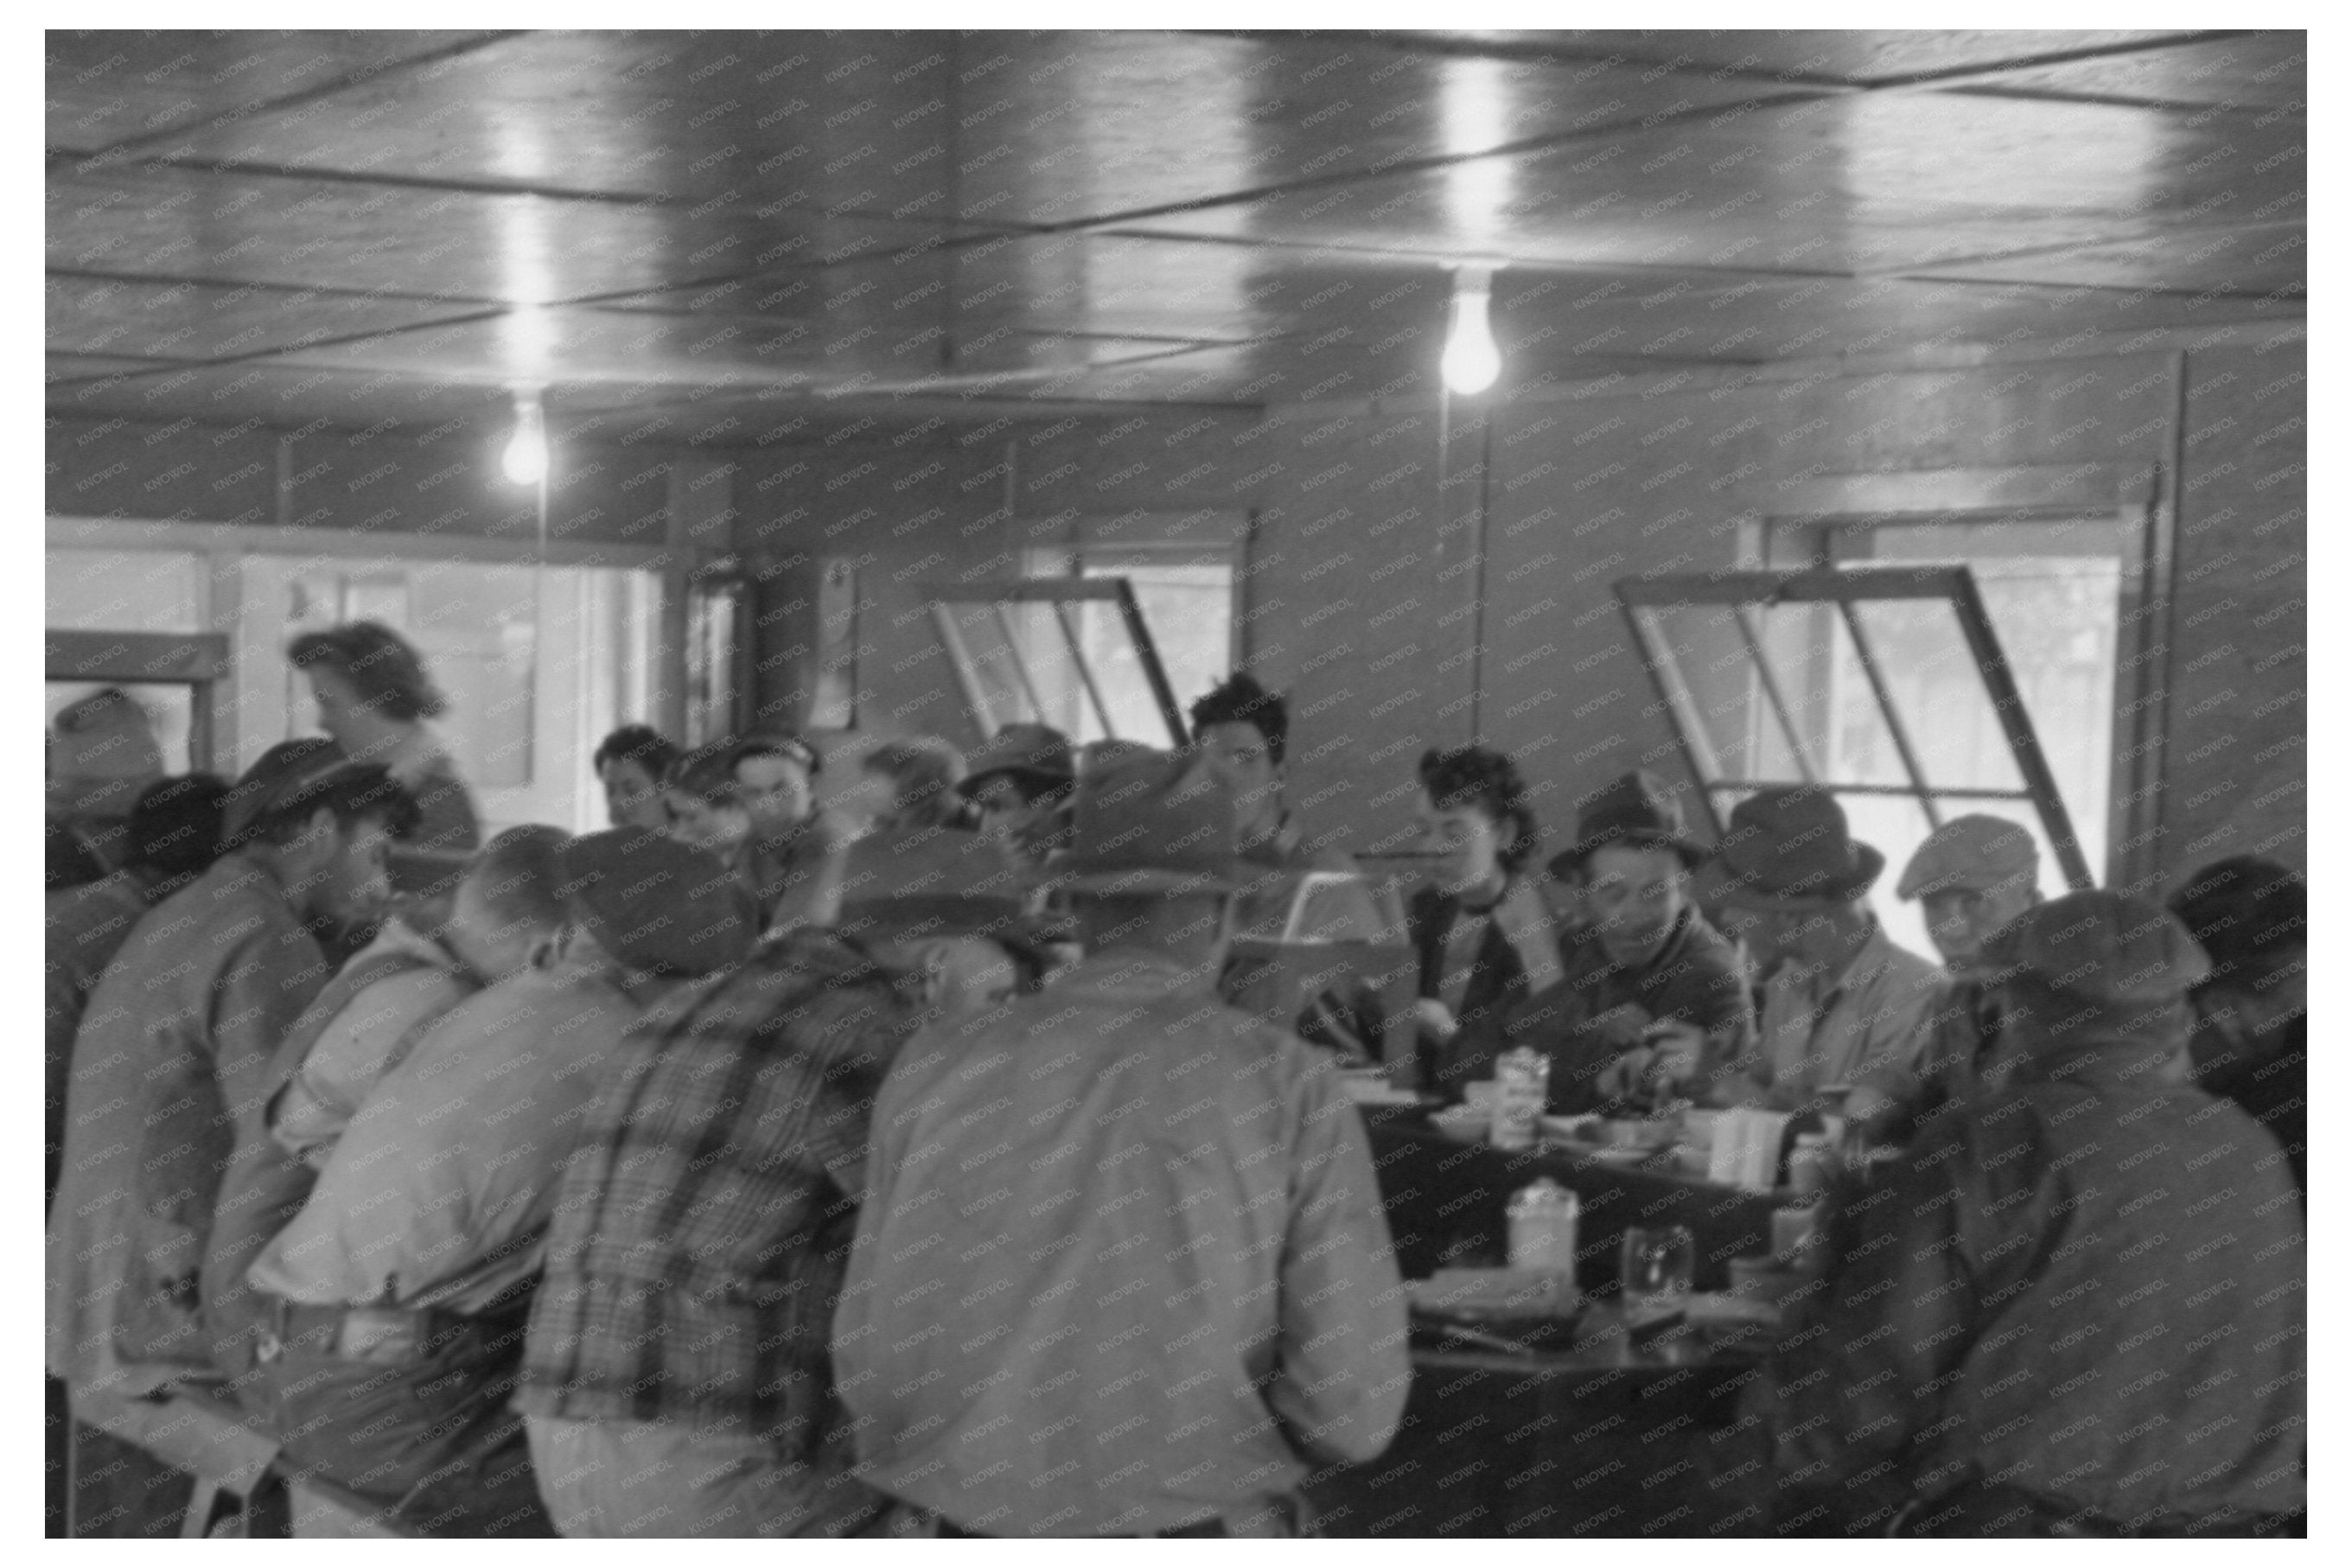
x=1809 y=1164
x=1542 y=1222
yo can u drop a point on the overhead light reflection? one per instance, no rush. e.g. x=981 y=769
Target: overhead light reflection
x=1474 y=116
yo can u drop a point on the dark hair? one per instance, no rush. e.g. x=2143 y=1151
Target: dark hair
x=706 y=771
x=104 y=706
x=175 y=824
x=520 y=874
x=357 y=792
x=2246 y=912
x=639 y=744
x=1240 y=700
x=922 y=773
x=1477 y=777
x=384 y=671
x=70 y=860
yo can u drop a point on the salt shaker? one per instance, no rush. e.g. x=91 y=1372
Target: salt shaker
x=1542 y=1219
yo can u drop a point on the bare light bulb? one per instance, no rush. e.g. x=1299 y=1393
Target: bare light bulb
x=1471 y=361
x=525 y=458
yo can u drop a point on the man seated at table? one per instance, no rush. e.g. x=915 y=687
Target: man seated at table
x=1020 y=784
x=1971 y=877
x=1840 y=999
x=1650 y=987
x=403 y=1286
x=2079 y=1310
x=2248 y=914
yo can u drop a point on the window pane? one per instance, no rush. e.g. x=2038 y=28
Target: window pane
x=125 y=590
x=1937 y=693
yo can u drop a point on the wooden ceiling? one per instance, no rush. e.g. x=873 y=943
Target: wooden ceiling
x=732 y=236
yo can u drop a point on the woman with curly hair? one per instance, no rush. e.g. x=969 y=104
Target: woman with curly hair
x=1484 y=935
x=373 y=699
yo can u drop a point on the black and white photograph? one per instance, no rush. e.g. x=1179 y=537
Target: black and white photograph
x=1156 y=781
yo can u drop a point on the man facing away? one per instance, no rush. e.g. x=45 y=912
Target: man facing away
x=398 y=1294
x=678 y=1379
x=176 y=832
x=1122 y=1268
x=363 y=1026
x=2078 y=1308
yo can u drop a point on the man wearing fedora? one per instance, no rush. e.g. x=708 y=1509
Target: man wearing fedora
x=679 y=1376
x=1122 y=1268
x=1650 y=989
x=1839 y=1000
x=1020 y=784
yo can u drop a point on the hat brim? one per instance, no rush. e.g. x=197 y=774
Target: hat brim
x=1569 y=862
x=1720 y=883
x=1145 y=881
x=969 y=785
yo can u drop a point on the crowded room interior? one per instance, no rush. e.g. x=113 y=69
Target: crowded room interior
x=1351 y=783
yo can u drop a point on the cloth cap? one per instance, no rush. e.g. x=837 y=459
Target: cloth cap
x=1034 y=752
x=1789 y=842
x=656 y=905
x=937 y=881
x=1154 y=825
x=1974 y=852
x=2106 y=949
x=1634 y=808
x=284 y=777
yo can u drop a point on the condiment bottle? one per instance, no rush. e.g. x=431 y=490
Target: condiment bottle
x=1522 y=1078
x=1542 y=1222
x=1809 y=1165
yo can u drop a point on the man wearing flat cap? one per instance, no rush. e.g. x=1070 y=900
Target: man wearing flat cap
x=679 y=1379
x=2078 y=1311
x=1972 y=876
x=1840 y=999
x=402 y=1288
x=1121 y=1184
x=1650 y=990
x=170 y=1067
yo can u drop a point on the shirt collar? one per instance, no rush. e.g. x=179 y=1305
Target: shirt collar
x=1870 y=961
x=1126 y=972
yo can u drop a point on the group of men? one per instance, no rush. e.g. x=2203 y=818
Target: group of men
x=612 y=1200
x=553 y=1209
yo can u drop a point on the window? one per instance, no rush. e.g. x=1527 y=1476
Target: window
x=2055 y=591
x=1888 y=686
x=1186 y=597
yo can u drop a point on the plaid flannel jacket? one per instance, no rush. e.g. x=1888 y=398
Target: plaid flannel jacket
x=700 y=1238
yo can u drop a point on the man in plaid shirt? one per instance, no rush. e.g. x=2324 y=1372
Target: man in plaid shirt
x=678 y=1379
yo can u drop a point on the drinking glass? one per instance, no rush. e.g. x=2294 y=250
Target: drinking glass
x=1656 y=1264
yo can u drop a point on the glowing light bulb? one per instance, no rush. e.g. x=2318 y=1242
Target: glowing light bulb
x=525 y=458
x=1471 y=361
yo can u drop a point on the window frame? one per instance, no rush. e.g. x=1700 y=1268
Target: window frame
x=2141 y=497
x=1846 y=587
x=1060 y=593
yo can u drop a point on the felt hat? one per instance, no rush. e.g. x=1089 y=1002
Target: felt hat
x=1789 y=843
x=1973 y=854
x=1155 y=824
x=287 y=775
x=658 y=905
x=1033 y=753
x=1634 y=808
x=919 y=881
x=2106 y=949
x=2245 y=913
